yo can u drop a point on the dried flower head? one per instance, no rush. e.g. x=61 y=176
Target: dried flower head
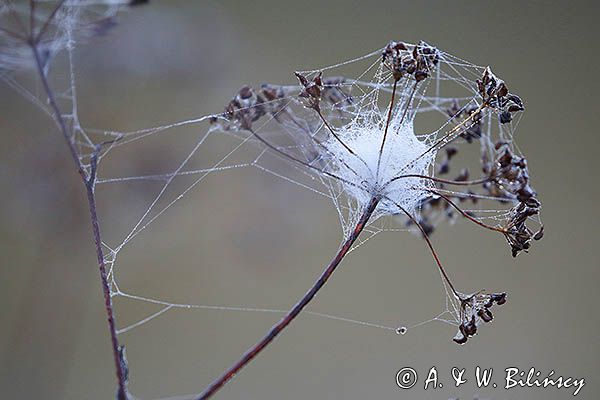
x=374 y=155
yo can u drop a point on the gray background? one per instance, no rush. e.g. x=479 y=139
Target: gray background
x=247 y=238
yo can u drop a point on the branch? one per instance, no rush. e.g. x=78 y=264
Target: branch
x=216 y=385
x=440 y=180
x=89 y=182
x=466 y=215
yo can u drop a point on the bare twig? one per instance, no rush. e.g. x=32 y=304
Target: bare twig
x=440 y=180
x=429 y=244
x=89 y=182
x=387 y=125
x=216 y=385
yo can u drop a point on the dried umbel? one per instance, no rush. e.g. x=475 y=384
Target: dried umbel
x=375 y=159
x=373 y=153
x=413 y=60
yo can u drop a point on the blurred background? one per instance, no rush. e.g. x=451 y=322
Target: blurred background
x=247 y=238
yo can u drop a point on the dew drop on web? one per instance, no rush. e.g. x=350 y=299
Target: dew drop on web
x=401 y=330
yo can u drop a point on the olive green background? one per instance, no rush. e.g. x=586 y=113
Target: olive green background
x=248 y=238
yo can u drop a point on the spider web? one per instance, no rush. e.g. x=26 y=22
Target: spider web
x=364 y=91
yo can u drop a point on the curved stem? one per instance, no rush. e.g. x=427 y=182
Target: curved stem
x=337 y=137
x=440 y=180
x=467 y=216
x=216 y=385
x=89 y=183
x=446 y=136
x=42 y=31
x=299 y=161
x=408 y=102
x=430 y=245
x=387 y=125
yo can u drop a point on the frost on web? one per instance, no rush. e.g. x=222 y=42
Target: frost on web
x=390 y=133
x=394 y=124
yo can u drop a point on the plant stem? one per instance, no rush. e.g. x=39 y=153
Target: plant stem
x=387 y=125
x=89 y=183
x=216 y=385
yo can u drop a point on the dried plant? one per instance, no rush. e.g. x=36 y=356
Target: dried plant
x=364 y=148
x=31 y=44
x=374 y=154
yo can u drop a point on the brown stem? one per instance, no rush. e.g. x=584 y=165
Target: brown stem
x=430 y=245
x=461 y=124
x=410 y=99
x=216 y=385
x=89 y=183
x=42 y=31
x=440 y=180
x=447 y=134
x=322 y=145
x=387 y=125
x=299 y=161
x=335 y=135
x=467 y=216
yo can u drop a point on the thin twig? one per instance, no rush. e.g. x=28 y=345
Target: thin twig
x=337 y=137
x=467 y=216
x=429 y=244
x=89 y=183
x=408 y=102
x=216 y=385
x=42 y=31
x=440 y=180
x=447 y=135
x=387 y=125
x=299 y=161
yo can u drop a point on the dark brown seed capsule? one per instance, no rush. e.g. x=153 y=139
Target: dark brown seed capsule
x=460 y=338
x=499 y=298
x=485 y=315
x=505 y=117
x=539 y=234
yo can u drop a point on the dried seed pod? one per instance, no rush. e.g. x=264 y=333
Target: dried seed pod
x=495 y=95
x=416 y=60
x=485 y=315
x=475 y=311
x=499 y=298
x=539 y=234
x=312 y=90
x=451 y=152
x=460 y=338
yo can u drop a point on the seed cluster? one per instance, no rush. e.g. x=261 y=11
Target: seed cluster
x=414 y=60
x=375 y=152
x=495 y=94
x=474 y=311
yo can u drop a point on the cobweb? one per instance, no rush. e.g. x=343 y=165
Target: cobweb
x=289 y=126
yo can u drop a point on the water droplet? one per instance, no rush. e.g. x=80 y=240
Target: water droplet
x=401 y=330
